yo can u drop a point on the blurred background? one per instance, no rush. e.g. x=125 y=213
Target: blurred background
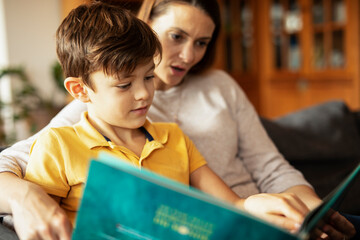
x=286 y=54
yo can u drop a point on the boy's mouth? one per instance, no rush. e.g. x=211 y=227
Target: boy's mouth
x=141 y=110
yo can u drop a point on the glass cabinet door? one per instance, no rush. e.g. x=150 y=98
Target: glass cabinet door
x=286 y=23
x=328 y=21
x=326 y=28
x=239 y=35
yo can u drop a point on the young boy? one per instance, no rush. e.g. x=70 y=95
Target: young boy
x=107 y=56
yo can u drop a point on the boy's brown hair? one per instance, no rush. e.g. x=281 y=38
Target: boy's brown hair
x=99 y=36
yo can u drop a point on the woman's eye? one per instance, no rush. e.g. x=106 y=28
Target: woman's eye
x=175 y=36
x=124 y=86
x=202 y=44
x=149 y=77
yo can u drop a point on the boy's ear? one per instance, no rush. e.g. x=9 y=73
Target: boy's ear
x=76 y=88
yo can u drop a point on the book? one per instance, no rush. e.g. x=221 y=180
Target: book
x=121 y=201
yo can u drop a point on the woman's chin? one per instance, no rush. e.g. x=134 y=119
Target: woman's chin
x=172 y=82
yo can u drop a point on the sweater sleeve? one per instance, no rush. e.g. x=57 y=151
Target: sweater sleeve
x=271 y=172
x=14 y=159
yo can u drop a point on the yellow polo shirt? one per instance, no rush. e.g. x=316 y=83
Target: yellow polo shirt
x=59 y=158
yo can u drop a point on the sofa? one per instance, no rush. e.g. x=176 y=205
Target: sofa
x=323 y=142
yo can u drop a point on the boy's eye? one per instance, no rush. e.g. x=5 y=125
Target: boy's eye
x=149 y=77
x=124 y=86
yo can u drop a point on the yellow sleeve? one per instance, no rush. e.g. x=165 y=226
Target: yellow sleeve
x=46 y=166
x=196 y=160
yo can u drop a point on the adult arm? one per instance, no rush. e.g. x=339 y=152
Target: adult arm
x=270 y=171
x=234 y=142
x=35 y=214
x=33 y=210
x=14 y=159
x=285 y=210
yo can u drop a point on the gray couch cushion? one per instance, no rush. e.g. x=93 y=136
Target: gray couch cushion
x=323 y=142
x=323 y=132
x=7 y=234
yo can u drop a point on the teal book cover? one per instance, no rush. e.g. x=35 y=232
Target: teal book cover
x=124 y=202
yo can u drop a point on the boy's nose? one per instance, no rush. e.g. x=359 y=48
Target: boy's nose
x=142 y=92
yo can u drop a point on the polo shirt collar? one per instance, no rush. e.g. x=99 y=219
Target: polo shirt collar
x=88 y=134
x=158 y=134
x=92 y=138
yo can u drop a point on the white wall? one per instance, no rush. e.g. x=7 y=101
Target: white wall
x=3 y=43
x=27 y=39
x=5 y=93
x=30 y=27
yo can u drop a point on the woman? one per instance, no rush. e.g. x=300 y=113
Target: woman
x=209 y=107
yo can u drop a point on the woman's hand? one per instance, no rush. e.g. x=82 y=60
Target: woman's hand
x=288 y=211
x=284 y=209
x=338 y=228
x=36 y=215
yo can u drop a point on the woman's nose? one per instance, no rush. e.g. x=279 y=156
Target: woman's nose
x=187 y=53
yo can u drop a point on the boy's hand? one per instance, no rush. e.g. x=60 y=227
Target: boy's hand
x=37 y=216
x=284 y=209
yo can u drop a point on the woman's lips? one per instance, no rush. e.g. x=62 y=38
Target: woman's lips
x=178 y=71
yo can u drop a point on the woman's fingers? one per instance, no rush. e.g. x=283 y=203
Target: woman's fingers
x=339 y=227
x=37 y=216
x=342 y=224
x=291 y=207
x=318 y=235
x=283 y=222
x=333 y=233
x=285 y=209
x=52 y=224
x=64 y=230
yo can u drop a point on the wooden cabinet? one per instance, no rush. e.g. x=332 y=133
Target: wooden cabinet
x=237 y=46
x=68 y=5
x=297 y=52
